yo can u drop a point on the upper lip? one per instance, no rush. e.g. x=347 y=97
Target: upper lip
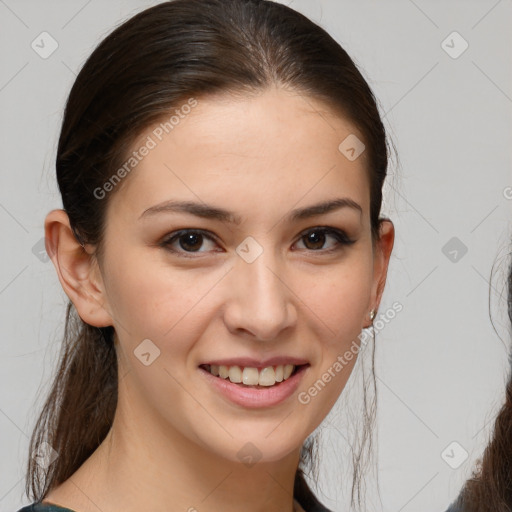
x=257 y=363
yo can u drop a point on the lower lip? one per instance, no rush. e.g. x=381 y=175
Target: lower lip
x=256 y=397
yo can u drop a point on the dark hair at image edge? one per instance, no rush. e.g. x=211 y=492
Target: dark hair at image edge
x=149 y=65
x=490 y=487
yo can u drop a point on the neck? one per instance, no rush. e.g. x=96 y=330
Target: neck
x=144 y=464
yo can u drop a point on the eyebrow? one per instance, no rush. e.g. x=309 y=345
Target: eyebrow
x=216 y=213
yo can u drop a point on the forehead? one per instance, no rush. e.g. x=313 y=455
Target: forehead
x=276 y=146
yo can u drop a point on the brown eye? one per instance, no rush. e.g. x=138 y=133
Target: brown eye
x=191 y=241
x=315 y=238
x=186 y=241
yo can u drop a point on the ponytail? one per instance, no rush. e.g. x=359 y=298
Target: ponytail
x=79 y=409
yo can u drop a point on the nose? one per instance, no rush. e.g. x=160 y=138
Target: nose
x=260 y=301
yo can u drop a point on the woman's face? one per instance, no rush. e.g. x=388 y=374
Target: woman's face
x=265 y=288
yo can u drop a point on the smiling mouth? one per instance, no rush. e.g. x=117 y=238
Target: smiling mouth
x=251 y=377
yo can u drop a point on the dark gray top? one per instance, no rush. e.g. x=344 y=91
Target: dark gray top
x=43 y=507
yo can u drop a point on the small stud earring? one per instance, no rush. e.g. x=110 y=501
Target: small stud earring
x=372 y=314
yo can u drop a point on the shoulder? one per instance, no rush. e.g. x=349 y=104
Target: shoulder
x=44 y=507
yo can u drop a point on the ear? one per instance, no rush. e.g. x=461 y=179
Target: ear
x=77 y=269
x=383 y=248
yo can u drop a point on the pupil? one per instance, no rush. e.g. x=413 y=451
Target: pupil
x=315 y=237
x=189 y=240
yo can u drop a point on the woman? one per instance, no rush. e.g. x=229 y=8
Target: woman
x=490 y=488
x=207 y=148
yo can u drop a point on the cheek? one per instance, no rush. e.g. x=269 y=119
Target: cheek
x=153 y=301
x=339 y=299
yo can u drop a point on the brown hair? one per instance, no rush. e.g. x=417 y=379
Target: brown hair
x=490 y=486
x=147 y=66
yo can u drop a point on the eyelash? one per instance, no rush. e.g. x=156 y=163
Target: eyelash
x=340 y=236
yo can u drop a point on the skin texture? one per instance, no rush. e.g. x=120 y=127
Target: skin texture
x=174 y=441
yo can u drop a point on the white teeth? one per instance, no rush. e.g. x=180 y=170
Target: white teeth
x=252 y=376
x=267 y=377
x=235 y=374
x=288 y=369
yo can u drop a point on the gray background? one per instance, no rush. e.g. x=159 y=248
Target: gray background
x=441 y=365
